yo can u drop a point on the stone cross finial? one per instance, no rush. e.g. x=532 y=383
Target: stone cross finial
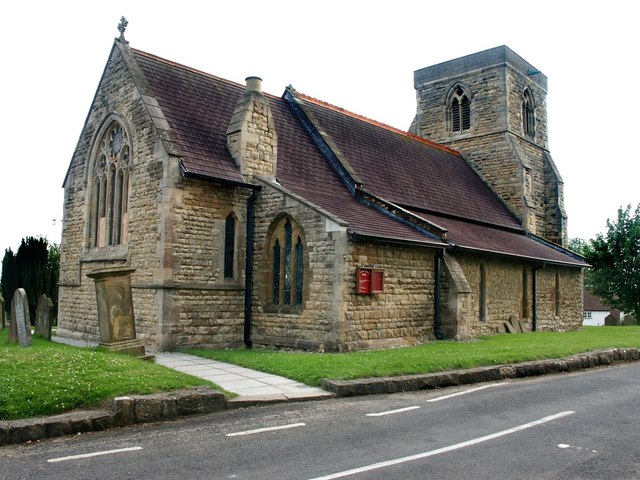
x=122 y=26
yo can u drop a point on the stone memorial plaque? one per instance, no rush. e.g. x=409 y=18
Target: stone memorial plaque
x=115 y=311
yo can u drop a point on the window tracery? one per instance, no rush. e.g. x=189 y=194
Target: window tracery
x=459 y=110
x=286 y=264
x=528 y=114
x=111 y=188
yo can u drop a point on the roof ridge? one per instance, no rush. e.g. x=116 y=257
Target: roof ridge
x=376 y=123
x=186 y=67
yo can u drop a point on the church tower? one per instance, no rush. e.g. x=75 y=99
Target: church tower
x=491 y=106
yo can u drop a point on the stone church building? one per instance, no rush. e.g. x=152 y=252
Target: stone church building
x=283 y=221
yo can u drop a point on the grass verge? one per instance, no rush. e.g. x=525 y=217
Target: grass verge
x=310 y=368
x=49 y=378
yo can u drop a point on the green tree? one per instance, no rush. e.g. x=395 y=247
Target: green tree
x=578 y=245
x=53 y=268
x=615 y=261
x=9 y=280
x=35 y=268
x=33 y=275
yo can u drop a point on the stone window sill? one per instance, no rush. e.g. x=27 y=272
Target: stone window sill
x=113 y=253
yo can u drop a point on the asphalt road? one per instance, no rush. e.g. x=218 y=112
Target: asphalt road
x=571 y=426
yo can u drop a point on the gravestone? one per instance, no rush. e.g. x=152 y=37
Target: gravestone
x=2 y=314
x=115 y=311
x=611 y=321
x=629 y=319
x=19 y=323
x=43 y=316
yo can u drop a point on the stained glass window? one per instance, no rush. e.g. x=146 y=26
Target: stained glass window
x=299 y=271
x=286 y=297
x=276 y=273
x=110 y=186
x=286 y=263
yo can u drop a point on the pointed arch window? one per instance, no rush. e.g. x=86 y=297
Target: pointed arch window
x=459 y=110
x=557 y=294
x=110 y=178
x=482 y=292
x=229 y=246
x=528 y=114
x=286 y=264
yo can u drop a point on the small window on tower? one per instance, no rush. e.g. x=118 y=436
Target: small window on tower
x=528 y=114
x=459 y=110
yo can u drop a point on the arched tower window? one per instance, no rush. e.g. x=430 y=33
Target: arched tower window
x=528 y=114
x=459 y=110
x=111 y=188
x=229 y=246
x=286 y=263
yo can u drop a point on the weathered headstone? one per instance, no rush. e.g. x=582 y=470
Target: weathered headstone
x=629 y=319
x=115 y=311
x=2 y=314
x=19 y=323
x=611 y=321
x=43 y=316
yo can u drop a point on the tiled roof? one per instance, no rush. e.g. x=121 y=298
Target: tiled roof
x=398 y=167
x=198 y=108
x=488 y=238
x=593 y=303
x=409 y=172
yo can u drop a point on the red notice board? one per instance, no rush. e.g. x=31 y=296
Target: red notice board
x=369 y=280
x=377 y=280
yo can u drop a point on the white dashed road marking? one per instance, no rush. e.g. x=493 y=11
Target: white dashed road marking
x=471 y=390
x=391 y=412
x=267 y=429
x=93 y=454
x=450 y=448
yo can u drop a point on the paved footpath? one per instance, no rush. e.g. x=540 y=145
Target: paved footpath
x=246 y=383
x=242 y=381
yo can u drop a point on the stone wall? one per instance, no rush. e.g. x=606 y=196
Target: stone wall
x=315 y=324
x=117 y=98
x=510 y=296
x=175 y=237
x=403 y=314
x=517 y=167
x=209 y=308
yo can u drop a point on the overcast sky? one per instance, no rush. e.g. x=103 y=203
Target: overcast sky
x=359 y=55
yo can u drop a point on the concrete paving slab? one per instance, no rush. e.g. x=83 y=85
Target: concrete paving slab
x=239 y=380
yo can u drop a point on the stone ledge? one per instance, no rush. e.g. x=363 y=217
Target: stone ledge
x=411 y=383
x=124 y=411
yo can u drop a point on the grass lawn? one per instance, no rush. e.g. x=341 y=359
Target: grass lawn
x=49 y=378
x=309 y=368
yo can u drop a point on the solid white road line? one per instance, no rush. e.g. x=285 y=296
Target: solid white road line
x=450 y=448
x=391 y=412
x=94 y=454
x=471 y=390
x=267 y=429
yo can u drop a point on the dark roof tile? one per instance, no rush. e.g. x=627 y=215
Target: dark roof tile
x=394 y=165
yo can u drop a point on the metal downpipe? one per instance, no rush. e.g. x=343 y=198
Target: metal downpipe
x=249 y=269
x=437 y=324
